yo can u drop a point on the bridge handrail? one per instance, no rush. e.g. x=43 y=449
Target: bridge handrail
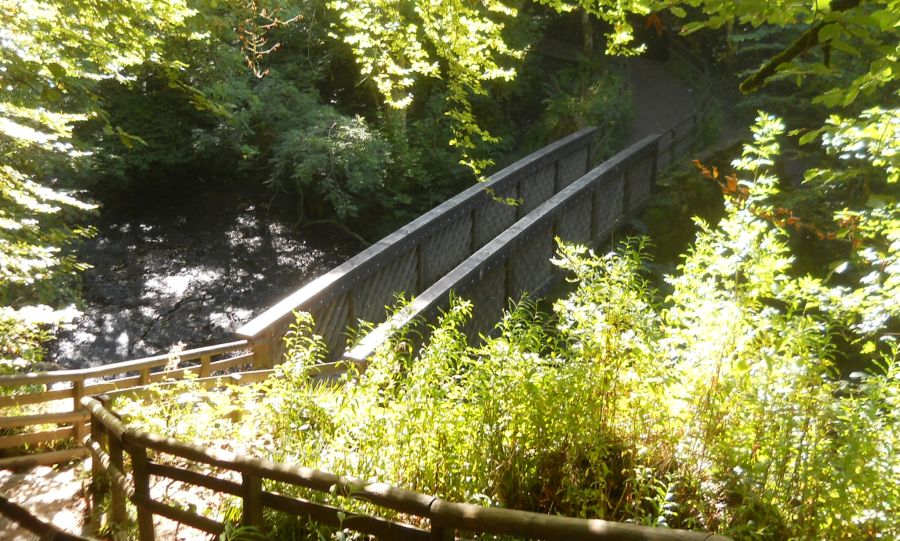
x=110 y=439
x=474 y=212
x=618 y=176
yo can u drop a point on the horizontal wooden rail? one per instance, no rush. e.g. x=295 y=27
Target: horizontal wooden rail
x=492 y=520
x=63 y=417
x=445 y=518
x=236 y=378
x=35 y=438
x=115 y=369
x=42 y=459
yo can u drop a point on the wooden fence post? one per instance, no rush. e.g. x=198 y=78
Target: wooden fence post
x=77 y=395
x=119 y=514
x=98 y=487
x=116 y=459
x=141 y=474
x=204 y=365
x=263 y=351
x=251 y=494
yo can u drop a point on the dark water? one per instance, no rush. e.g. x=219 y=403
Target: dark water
x=173 y=266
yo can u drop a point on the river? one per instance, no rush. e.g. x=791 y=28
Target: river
x=170 y=267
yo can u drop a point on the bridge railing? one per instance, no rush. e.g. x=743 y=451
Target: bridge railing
x=154 y=457
x=517 y=261
x=415 y=256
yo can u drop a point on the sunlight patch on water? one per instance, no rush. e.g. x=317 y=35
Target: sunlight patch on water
x=230 y=317
x=177 y=285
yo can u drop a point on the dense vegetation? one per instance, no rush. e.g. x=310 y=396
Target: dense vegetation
x=755 y=393
x=709 y=409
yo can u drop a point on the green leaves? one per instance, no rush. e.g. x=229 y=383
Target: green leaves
x=52 y=53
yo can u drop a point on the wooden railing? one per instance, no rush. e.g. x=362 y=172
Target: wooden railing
x=427 y=517
x=418 y=254
x=55 y=397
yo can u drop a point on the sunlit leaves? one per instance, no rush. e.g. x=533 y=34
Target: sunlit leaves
x=398 y=44
x=51 y=53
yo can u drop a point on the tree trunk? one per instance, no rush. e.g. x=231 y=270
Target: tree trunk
x=587 y=33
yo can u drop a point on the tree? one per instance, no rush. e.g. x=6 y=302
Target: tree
x=52 y=52
x=855 y=179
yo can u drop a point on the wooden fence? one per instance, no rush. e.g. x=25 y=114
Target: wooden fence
x=428 y=517
x=57 y=396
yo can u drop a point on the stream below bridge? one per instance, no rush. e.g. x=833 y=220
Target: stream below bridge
x=170 y=268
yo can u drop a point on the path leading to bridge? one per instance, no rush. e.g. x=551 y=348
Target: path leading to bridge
x=660 y=99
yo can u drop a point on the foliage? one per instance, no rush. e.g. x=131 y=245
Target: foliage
x=322 y=153
x=397 y=44
x=591 y=93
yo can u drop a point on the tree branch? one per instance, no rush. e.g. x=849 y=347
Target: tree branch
x=806 y=41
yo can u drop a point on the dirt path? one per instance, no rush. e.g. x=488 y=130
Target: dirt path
x=660 y=99
x=53 y=495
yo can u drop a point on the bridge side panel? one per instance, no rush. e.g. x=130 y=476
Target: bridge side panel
x=488 y=296
x=640 y=176
x=574 y=225
x=372 y=294
x=332 y=319
x=446 y=249
x=530 y=266
x=494 y=216
x=536 y=188
x=608 y=205
x=572 y=167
